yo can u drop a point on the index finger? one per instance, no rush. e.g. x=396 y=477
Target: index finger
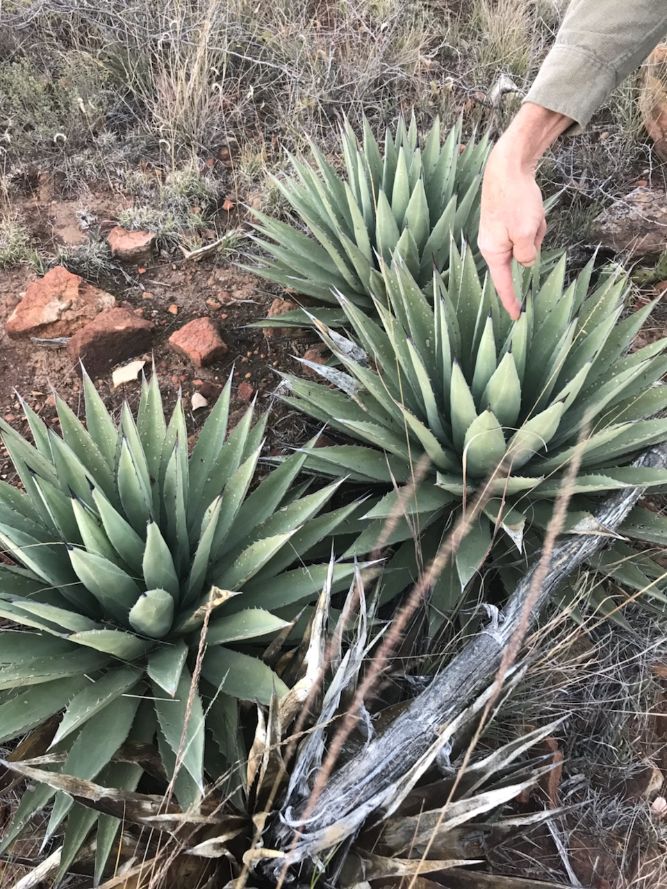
x=500 y=269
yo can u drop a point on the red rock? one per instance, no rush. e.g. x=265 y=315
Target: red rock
x=173 y=309
x=130 y=246
x=278 y=307
x=211 y=391
x=112 y=337
x=653 y=99
x=245 y=391
x=199 y=341
x=316 y=355
x=57 y=305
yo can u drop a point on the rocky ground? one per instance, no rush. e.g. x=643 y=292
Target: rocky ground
x=188 y=317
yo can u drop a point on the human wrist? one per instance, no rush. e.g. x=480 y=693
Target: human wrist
x=531 y=133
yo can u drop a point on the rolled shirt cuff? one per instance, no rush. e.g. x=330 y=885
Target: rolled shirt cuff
x=572 y=82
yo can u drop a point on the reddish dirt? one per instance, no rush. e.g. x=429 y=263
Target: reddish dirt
x=170 y=293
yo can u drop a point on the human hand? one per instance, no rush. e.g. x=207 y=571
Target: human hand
x=512 y=221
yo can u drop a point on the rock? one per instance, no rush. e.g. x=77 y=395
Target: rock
x=114 y=336
x=245 y=391
x=130 y=246
x=315 y=355
x=57 y=305
x=637 y=224
x=278 y=307
x=210 y=390
x=653 y=99
x=199 y=341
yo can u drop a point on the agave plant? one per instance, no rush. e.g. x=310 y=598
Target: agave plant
x=489 y=404
x=122 y=546
x=404 y=201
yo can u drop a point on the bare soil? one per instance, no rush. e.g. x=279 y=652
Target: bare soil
x=169 y=292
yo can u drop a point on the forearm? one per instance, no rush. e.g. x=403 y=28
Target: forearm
x=599 y=43
x=532 y=131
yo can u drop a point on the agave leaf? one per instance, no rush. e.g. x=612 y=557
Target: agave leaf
x=462 y=404
x=125 y=777
x=438 y=245
x=512 y=521
x=95 y=697
x=33 y=706
x=158 y=566
x=46 y=561
x=45 y=669
x=589 y=406
x=619 y=341
x=358 y=462
x=58 y=507
x=264 y=500
x=91 y=534
x=183 y=725
x=611 y=480
x=175 y=504
x=18 y=582
x=304 y=543
x=587 y=348
x=19 y=504
x=297 y=585
x=113 y=588
x=550 y=294
x=153 y=613
x=84 y=446
x=502 y=394
x=503 y=486
x=101 y=427
x=416 y=217
x=409 y=501
x=70 y=472
x=485 y=363
x=19 y=646
x=38 y=429
x=519 y=343
x=387 y=231
x=122 y=536
x=165 y=665
x=119 y=644
x=54 y=618
x=242 y=676
x=97 y=741
x=432 y=447
x=27 y=460
x=79 y=824
x=473 y=550
x=202 y=556
x=247 y=624
x=135 y=496
x=379 y=436
x=33 y=800
x=250 y=560
x=293 y=515
x=638 y=407
x=484 y=446
x=534 y=435
x=151 y=425
x=644 y=524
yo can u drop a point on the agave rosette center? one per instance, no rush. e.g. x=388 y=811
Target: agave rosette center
x=448 y=379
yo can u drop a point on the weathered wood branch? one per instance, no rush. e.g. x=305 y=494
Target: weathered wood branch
x=367 y=783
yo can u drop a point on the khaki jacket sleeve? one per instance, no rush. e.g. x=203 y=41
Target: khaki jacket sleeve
x=599 y=43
